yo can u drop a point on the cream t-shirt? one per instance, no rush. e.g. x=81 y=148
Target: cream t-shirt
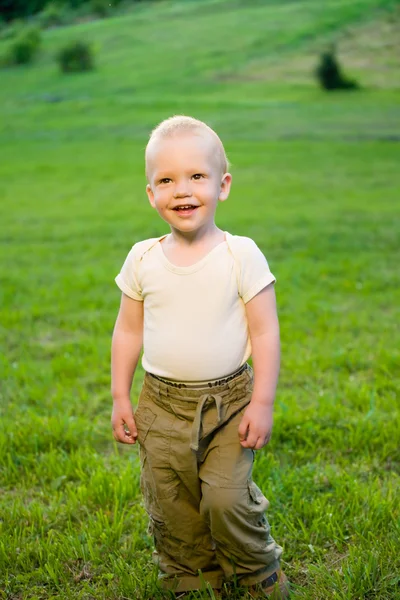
x=195 y=326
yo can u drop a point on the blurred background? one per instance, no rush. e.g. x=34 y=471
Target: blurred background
x=305 y=96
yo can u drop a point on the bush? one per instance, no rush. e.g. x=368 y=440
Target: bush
x=9 y=32
x=76 y=57
x=24 y=48
x=329 y=73
x=53 y=15
x=4 y=59
x=33 y=35
x=101 y=8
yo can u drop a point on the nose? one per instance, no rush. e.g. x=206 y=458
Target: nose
x=182 y=189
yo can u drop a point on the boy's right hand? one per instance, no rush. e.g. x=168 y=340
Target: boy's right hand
x=123 y=422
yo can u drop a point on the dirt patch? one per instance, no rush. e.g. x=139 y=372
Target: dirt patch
x=368 y=52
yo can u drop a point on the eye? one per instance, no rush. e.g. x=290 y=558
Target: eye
x=197 y=176
x=164 y=180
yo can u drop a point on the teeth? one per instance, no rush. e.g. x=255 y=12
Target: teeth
x=183 y=207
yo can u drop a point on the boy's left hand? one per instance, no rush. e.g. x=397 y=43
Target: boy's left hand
x=256 y=426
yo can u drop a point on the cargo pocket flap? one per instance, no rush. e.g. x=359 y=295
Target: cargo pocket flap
x=144 y=419
x=256 y=494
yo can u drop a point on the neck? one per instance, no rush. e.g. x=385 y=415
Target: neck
x=199 y=236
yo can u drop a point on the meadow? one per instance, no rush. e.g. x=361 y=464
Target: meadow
x=316 y=183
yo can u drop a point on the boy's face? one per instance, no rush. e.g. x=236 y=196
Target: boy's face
x=184 y=171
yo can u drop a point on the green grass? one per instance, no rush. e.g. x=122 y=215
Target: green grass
x=316 y=183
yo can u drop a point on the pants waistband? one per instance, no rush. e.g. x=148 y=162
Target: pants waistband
x=205 y=384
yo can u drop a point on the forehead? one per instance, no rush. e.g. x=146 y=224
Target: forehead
x=181 y=150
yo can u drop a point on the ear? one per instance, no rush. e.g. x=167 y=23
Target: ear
x=225 y=187
x=150 y=195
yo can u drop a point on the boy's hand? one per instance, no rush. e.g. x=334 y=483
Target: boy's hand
x=256 y=426
x=123 y=422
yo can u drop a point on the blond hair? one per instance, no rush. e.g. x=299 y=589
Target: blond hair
x=180 y=124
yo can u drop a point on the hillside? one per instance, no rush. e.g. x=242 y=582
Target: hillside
x=218 y=59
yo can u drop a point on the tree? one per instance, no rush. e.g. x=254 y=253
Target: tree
x=329 y=73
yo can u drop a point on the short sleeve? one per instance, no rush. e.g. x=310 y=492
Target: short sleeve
x=127 y=279
x=255 y=274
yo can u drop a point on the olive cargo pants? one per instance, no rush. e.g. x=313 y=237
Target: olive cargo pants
x=205 y=511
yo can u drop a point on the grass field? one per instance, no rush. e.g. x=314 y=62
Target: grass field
x=316 y=184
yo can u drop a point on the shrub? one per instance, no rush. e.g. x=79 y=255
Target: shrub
x=329 y=73
x=77 y=56
x=53 y=15
x=101 y=8
x=25 y=46
x=4 y=59
x=8 y=32
x=32 y=34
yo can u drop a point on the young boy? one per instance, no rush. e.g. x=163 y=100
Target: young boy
x=200 y=301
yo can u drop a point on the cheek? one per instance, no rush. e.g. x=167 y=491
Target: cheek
x=160 y=198
x=210 y=190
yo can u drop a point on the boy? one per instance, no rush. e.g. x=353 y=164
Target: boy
x=200 y=301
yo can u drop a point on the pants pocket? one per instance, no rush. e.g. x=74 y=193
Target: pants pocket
x=257 y=501
x=258 y=504
x=144 y=419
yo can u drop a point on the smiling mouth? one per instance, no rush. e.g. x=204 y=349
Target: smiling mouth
x=185 y=207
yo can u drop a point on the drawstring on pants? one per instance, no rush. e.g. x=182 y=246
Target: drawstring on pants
x=197 y=422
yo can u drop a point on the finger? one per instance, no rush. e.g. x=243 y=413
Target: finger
x=117 y=435
x=251 y=440
x=260 y=444
x=243 y=428
x=129 y=439
x=132 y=430
x=121 y=435
x=246 y=443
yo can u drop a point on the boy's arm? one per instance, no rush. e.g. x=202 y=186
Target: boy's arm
x=256 y=425
x=127 y=342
